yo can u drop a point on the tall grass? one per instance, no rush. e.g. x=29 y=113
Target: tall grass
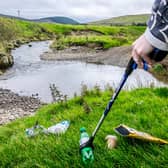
x=104 y=41
x=109 y=36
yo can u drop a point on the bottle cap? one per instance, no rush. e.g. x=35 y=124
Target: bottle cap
x=82 y=129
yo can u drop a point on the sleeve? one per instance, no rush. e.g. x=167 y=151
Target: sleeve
x=157 y=26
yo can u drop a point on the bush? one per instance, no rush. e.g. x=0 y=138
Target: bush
x=8 y=29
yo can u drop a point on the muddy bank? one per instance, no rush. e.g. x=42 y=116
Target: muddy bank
x=117 y=56
x=13 y=106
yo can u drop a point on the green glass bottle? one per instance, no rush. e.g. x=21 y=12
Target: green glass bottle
x=86 y=152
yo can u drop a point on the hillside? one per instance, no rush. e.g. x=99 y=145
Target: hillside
x=135 y=109
x=55 y=19
x=124 y=20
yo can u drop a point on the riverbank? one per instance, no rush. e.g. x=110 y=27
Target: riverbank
x=117 y=56
x=13 y=106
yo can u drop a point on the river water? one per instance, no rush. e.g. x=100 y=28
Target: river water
x=30 y=75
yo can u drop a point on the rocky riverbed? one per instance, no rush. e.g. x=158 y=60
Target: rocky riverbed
x=13 y=106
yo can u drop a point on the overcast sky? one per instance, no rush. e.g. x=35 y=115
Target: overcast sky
x=81 y=10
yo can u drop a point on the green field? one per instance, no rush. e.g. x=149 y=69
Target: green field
x=125 y=20
x=142 y=109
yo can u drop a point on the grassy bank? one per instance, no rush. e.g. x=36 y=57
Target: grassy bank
x=102 y=36
x=13 y=32
x=143 y=109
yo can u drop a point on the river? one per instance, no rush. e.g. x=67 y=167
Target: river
x=30 y=75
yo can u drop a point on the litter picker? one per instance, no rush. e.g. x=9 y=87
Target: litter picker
x=156 y=55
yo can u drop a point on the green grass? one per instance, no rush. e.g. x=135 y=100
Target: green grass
x=125 y=20
x=110 y=36
x=104 y=41
x=142 y=109
x=12 y=30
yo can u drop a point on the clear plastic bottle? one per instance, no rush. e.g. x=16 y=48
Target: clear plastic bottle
x=59 y=128
x=30 y=132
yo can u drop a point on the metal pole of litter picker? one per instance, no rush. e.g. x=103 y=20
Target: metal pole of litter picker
x=129 y=69
x=109 y=105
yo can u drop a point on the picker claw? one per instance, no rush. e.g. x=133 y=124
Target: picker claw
x=89 y=143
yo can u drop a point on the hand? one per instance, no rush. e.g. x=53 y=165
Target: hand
x=141 y=48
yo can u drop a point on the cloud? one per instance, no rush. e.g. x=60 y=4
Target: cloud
x=83 y=10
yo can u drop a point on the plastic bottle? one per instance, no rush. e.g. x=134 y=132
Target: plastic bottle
x=86 y=153
x=59 y=128
x=33 y=131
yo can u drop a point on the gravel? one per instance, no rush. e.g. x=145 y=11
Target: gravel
x=13 y=106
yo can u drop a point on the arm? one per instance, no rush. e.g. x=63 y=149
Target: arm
x=157 y=31
x=156 y=34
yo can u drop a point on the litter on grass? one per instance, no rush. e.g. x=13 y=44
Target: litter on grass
x=59 y=128
x=126 y=131
x=111 y=141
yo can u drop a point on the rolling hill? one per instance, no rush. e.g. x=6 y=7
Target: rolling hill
x=124 y=20
x=55 y=19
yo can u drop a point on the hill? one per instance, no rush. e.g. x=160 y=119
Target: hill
x=55 y=19
x=124 y=20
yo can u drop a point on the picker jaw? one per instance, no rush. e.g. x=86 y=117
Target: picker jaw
x=89 y=143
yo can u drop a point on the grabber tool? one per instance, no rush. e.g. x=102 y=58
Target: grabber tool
x=86 y=148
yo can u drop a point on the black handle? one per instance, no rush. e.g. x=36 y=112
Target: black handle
x=130 y=67
x=156 y=54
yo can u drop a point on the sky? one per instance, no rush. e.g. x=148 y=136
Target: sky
x=80 y=10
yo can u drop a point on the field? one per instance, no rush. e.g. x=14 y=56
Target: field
x=125 y=20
